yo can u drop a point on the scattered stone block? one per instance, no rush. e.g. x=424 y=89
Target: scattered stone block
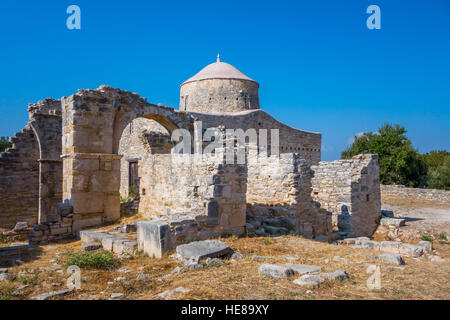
x=237 y=256
x=153 y=237
x=91 y=246
x=169 y=294
x=335 y=275
x=303 y=268
x=392 y=258
x=427 y=246
x=392 y=222
x=117 y=296
x=213 y=262
x=20 y=226
x=309 y=281
x=143 y=277
x=276 y=271
x=198 y=250
x=47 y=295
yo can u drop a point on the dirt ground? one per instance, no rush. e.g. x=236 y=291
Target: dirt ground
x=420 y=278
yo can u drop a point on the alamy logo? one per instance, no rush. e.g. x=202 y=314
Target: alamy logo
x=74 y=279
x=374 y=20
x=374 y=281
x=74 y=20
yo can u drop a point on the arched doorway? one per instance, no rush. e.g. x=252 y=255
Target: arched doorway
x=94 y=121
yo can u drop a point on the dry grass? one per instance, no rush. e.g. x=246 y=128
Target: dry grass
x=240 y=279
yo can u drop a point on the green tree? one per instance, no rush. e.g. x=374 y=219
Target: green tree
x=4 y=143
x=399 y=162
x=438 y=169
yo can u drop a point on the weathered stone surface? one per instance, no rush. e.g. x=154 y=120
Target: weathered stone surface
x=91 y=246
x=117 y=296
x=309 y=281
x=335 y=275
x=392 y=258
x=20 y=226
x=170 y=294
x=198 y=250
x=276 y=271
x=153 y=237
x=392 y=222
x=303 y=268
x=47 y=295
x=427 y=246
x=213 y=262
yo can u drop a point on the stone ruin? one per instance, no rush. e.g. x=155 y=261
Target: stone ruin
x=79 y=157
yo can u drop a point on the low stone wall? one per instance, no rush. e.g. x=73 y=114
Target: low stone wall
x=279 y=198
x=425 y=194
x=350 y=190
x=205 y=189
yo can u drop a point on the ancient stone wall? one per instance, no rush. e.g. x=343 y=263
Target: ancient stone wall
x=350 y=190
x=425 y=194
x=219 y=96
x=173 y=185
x=305 y=143
x=31 y=171
x=141 y=137
x=19 y=180
x=279 y=198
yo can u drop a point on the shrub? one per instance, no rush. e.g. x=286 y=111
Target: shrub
x=4 y=143
x=99 y=259
x=426 y=237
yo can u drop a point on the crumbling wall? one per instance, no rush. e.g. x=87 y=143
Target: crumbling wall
x=279 y=198
x=307 y=144
x=201 y=188
x=31 y=171
x=141 y=137
x=417 y=193
x=19 y=180
x=350 y=190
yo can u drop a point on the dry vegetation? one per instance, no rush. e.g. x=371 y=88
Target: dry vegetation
x=419 y=279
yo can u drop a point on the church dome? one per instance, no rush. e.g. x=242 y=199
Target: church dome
x=219 y=88
x=219 y=70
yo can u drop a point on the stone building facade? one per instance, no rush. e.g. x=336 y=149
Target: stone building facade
x=106 y=144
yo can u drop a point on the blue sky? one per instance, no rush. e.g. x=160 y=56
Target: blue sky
x=318 y=66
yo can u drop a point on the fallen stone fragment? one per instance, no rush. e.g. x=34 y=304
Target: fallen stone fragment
x=169 y=294
x=392 y=258
x=427 y=246
x=237 y=256
x=276 y=271
x=143 y=277
x=21 y=226
x=116 y=296
x=303 y=268
x=3 y=270
x=47 y=295
x=91 y=246
x=335 y=275
x=309 y=281
x=213 y=262
x=401 y=248
x=199 y=250
x=4 y=276
x=392 y=222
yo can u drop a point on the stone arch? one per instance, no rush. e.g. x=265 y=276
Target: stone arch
x=47 y=130
x=93 y=122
